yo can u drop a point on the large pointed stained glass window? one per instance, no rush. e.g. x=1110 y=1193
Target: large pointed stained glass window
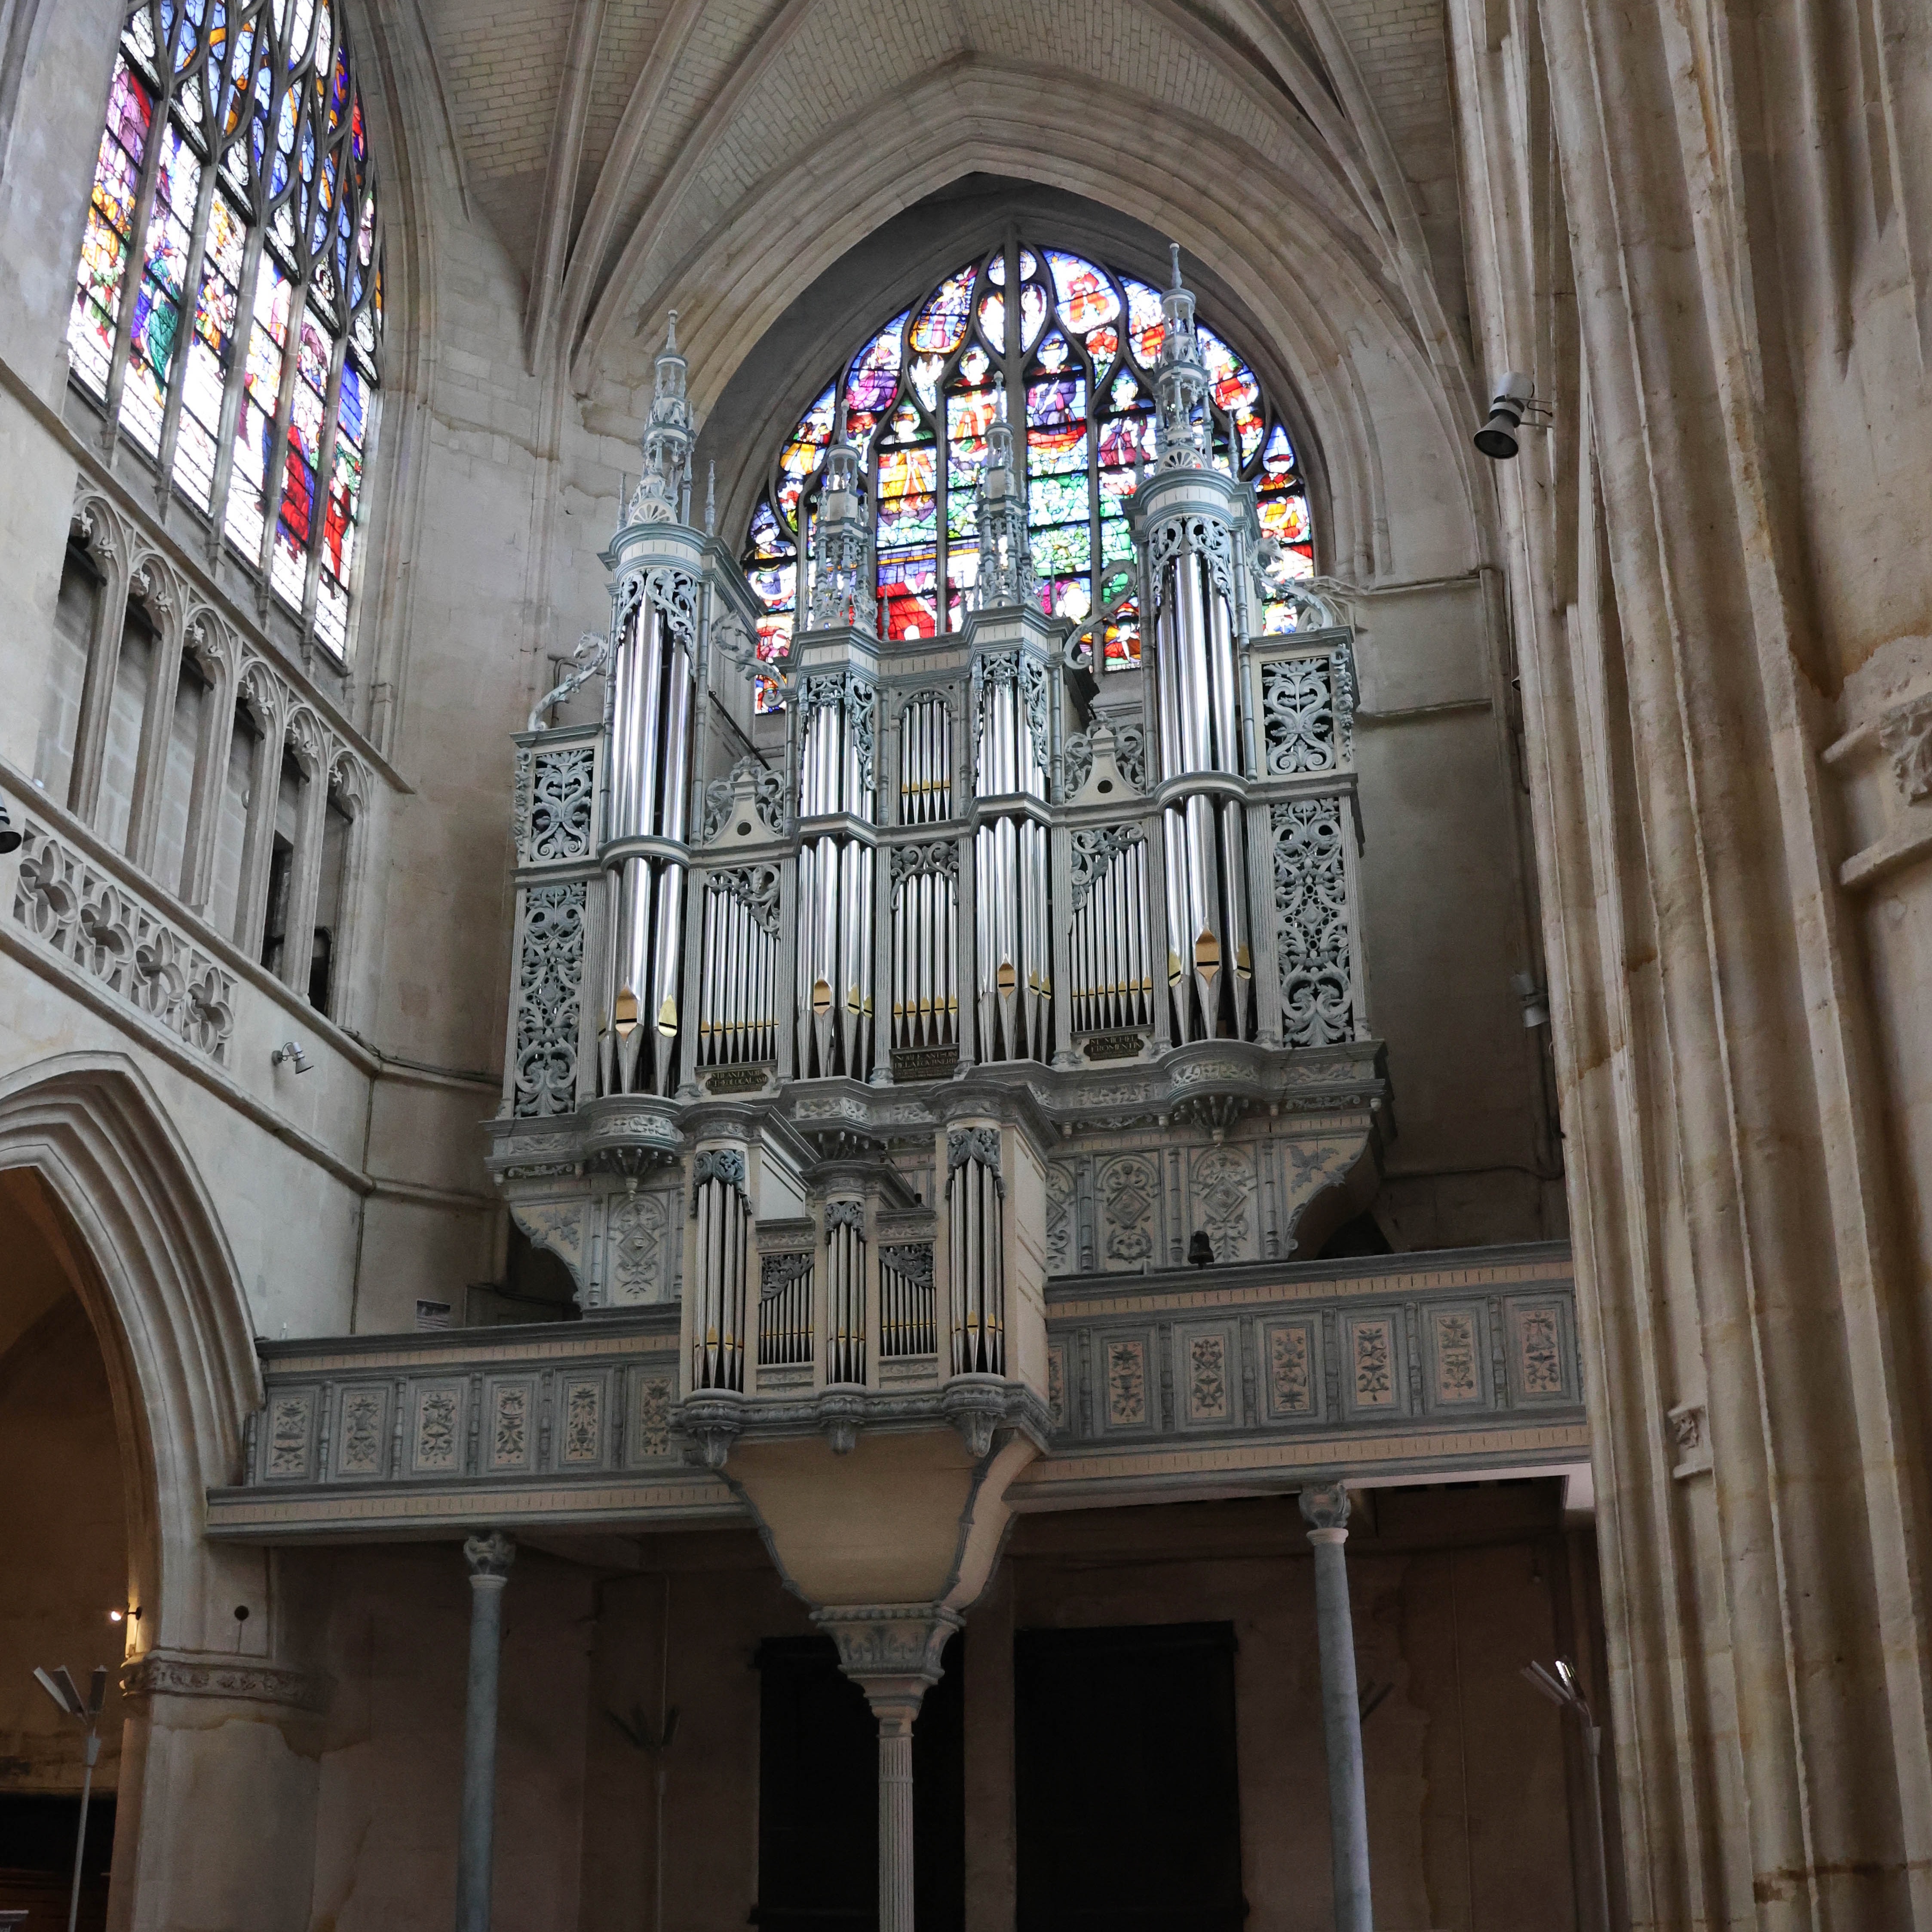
x=228 y=310
x=1073 y=358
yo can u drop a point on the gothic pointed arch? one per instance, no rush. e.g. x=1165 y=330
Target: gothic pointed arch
x=127 y=1208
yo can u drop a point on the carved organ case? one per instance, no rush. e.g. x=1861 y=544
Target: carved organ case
x=837 y=1053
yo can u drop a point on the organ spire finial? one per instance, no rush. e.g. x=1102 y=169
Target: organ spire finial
x=669 y=433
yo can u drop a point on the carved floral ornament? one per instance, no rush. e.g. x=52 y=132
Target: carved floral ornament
x=671 y=592
x=1905 y=733
x=94 y=922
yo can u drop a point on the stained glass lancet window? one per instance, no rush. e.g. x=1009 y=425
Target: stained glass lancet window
x=228 y=314
x=1077 y=359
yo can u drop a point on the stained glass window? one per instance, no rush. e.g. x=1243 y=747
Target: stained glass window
x=237 y=346
x=1075 y=357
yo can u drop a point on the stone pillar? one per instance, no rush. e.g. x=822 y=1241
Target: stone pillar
x=892 y=1651
x=490 y=1558
x=1325 y=1509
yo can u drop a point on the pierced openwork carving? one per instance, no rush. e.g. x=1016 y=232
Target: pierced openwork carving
x=941 y=857
x=725 y=1164
x=563 y=797
x=768 y=797
x=756 y=889
x=979 y=1144
x=1312 y=917
x=671 y=592
x=1299 y=726
x=1094 y=850
x=1015 y=670
x=548 y=978
x=1208 y=538
x=1076 y=758
x=96 y=924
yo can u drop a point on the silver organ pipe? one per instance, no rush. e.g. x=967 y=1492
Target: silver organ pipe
x=906 y=1313
x=836 y=874
x=737 y=1019
x=925 y=1006
x=1111 y=989
x=724 y=1249
x=784 y=1310
x=975 y=1205
x=651 y=685
x=1012 y=947
x=845 y=1291
x=925 y=760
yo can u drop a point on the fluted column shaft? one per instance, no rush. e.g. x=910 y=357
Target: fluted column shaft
x=892 y=1651
x=895 y=1718
x=490 y=1558
x=1326 y=1511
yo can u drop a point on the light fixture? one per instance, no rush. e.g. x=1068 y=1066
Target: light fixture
x=10 y=833
x=291 y=1050
x=1201 y=1250
x=1535 y=1000
x=1515 y=398
x=60 y=1686
x=1563 y=1688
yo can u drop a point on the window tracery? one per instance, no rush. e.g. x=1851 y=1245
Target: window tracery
x=228 y=308
x=1077 y=361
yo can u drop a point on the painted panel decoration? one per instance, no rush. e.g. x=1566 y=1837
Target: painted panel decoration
x=438 y=1438
x=1209 y=1374
x=1288 y=1352
x=1542 y=1352
x=1126 y=1381
x=512 y=1436
x=1456 y=1356
x=364 y=1431
x=1371 y=1349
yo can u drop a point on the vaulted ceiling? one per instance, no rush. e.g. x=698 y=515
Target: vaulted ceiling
x=630 y=153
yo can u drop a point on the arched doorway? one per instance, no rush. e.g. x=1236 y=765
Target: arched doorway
x=63 y=1526
x=126 y=1371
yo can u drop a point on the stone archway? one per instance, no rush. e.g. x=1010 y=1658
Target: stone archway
x=216 y=1782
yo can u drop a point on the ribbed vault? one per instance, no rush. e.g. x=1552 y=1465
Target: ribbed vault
x=718 y=158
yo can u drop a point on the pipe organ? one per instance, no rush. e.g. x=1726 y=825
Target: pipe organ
x=827 y=1025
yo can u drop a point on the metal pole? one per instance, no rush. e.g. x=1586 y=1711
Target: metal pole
x=489 y=1558
x=92 y=1756
x=1593 y=1739
x=1325 y=1509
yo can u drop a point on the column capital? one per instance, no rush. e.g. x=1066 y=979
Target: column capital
x=892 y=1651
x=1325 y=1508
x=489 y=1556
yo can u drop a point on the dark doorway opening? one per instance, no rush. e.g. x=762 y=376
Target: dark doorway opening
x=818 y=1795
x=1127 y=1796
x=37 y=1839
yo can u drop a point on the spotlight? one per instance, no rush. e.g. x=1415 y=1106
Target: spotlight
x=117 y=1616
x=10 y=833
x=291 y=1050
x=1535 y=1001
x=1514 y=399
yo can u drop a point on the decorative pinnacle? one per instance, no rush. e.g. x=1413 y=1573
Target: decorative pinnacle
x=669 y=434
x=1181 y=383
x=671 y=334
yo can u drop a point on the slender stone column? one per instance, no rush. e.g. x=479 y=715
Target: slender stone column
x=1325 y=1509
x=892 y=1651
x=490 y=1558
